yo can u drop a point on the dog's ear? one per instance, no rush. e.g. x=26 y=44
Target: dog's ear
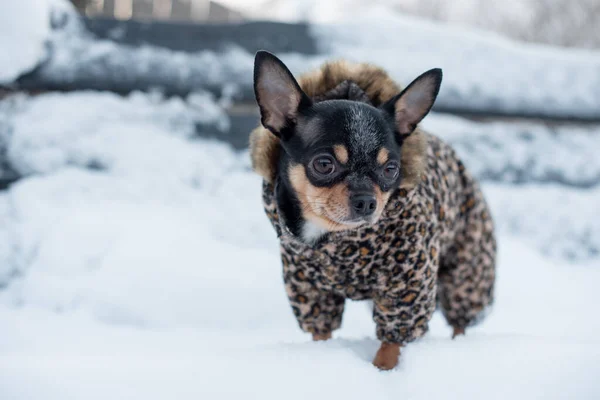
x=278 y=95
x=413 y=103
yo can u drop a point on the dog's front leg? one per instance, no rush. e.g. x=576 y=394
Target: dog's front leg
x=319 y=337
x=391 y=341
x=401 y=316
x=318 y=312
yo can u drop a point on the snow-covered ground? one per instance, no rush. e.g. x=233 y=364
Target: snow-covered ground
x=211 y=321
x=24 y=29
x=136 y=262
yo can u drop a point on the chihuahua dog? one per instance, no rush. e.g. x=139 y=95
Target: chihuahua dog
x=368 y=206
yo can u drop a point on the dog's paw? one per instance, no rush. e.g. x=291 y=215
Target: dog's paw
x=387 y=356
x=318 y=337
x=458 y=332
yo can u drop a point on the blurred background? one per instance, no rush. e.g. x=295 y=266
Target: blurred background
x=555 y=22
x=131 y=227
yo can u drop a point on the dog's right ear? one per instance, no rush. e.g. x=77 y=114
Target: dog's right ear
x=278 y=95
x=415 y=102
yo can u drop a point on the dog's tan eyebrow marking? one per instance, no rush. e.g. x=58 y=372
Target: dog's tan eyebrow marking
x=341 y=153
x=383 y=156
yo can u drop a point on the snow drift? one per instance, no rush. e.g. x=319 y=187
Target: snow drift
x=24 y=29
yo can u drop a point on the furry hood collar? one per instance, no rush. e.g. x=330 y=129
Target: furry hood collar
x=343 y=80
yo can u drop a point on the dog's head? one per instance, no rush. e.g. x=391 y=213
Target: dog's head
x=341 y=159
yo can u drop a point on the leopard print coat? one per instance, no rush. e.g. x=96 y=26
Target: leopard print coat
x=433 y=245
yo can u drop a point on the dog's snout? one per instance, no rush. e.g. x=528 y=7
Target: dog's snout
x=363 y=205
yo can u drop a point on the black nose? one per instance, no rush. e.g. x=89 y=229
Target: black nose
x=363 y=204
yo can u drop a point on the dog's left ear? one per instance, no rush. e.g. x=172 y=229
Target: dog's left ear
x=414 y=103
x=278 y=94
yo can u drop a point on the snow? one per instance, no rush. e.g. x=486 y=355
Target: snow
x=333 y=11
x=537 y=343
x=136 y=261
x=521 y=152
x=6 y=243
x=24 y=29
x=556 y=22
x=533 y=79
x=42 y=141
x=557 y=221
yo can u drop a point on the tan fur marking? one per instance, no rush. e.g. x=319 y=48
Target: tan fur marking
x=383 y=156
x=387 y=356
x=318 y=337
x=341 y=153
x=322 y=206
x=382 y=199
x=458 y=332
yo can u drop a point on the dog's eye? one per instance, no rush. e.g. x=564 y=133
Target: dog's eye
x=390 y=170
x=324 y=165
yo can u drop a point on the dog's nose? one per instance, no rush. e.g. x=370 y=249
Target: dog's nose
x=363 y=205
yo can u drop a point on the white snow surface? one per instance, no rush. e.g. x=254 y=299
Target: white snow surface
x=136 y=262
x=482 y=70
x=24 y=29
x=518 y=151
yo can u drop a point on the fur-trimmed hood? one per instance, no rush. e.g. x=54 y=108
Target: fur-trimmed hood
x=343 y=80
